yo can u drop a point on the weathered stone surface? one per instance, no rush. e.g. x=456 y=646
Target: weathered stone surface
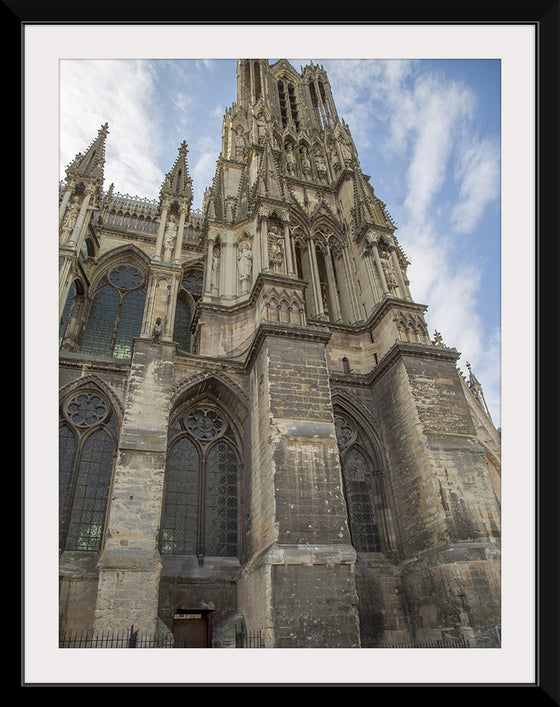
x=284 y=309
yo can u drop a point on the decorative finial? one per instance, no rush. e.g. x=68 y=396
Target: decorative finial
x=438 y=339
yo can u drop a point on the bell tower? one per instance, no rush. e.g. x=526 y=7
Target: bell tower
x=307 y=284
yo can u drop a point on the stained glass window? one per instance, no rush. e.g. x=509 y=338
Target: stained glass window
x=359 y=498
x=116 y=313
x=182 y=490
x=192 y=282
x=182 y=325
x=201 y=487
x=86 y=450
x=360 y=486
x=66 y=312
x=221 y=501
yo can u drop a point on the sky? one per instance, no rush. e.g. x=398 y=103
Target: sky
x=427 y=132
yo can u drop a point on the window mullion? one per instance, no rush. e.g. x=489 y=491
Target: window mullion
x=116 y=322
x=201 y=525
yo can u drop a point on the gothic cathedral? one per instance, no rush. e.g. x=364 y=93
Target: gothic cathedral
x=257 y=434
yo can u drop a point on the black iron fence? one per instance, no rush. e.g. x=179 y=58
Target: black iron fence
x=131 y=638
x=439 y=643
x=127 y=638
x=248 y=640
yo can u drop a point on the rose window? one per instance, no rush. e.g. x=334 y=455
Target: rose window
x=204 y=424
x=126 y=277
x=86 y=410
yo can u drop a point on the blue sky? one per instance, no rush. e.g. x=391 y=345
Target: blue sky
x=426 y=131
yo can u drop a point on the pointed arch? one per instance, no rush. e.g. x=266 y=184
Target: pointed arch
x=88 y=440
x=218 y=388
x=202 y=491
x=72 y=314
x=116 y=307
x=366 y=489
x=94 y=382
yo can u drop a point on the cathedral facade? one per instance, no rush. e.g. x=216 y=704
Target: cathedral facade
x=257 y=432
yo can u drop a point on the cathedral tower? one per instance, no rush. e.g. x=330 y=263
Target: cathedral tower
x=287 y=451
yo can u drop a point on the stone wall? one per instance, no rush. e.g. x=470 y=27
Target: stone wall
x=444 y=578
x=130 y=563
x=298 y=517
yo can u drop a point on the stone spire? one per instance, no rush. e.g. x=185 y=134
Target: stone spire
x=90 y=164
x=177 y=183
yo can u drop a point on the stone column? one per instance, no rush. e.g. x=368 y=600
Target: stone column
x=256 y=253
x=379 y=269
x=372 y=277
x=74 y=241
x=63 y=205
x=130 y=564
x=288 y=249
x=209 y=254
x=161 y=230
x=263 y=237
x=315 y=277
x=228 y=271
x=351 y=286
x=179 y=242
x=337 y=316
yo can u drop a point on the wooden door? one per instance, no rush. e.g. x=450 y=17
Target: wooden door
x=191 y=631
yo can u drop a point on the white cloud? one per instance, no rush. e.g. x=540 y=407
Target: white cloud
x=478 y=170
x=120 y=93
x=425 y=125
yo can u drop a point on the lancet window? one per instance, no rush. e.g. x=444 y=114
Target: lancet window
x=189 y=293
x=200 y=507
x=115 y=317
x=66 y=312
x=288 y=103
x=369 y=515
x=87 y=444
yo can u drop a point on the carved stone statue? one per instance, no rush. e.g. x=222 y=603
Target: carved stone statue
x=346 y=150
x=239 y=148
x=321 y=165
x=335 y=159
x=69 y=219
x=389 y=272
x=290 y=159
x=244 y=264
x=156 y=331
x=215 y=266
x=169 y=237
x=305 y=163
x=261 y=128
x=275 y=249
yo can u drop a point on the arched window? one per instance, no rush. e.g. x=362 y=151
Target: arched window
x=200 y=505
x=357 y=477
x=116 y=313
x=182 y=325
x=66 y=312
x=369 y=515
x=191 y=284
x=87 y=443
